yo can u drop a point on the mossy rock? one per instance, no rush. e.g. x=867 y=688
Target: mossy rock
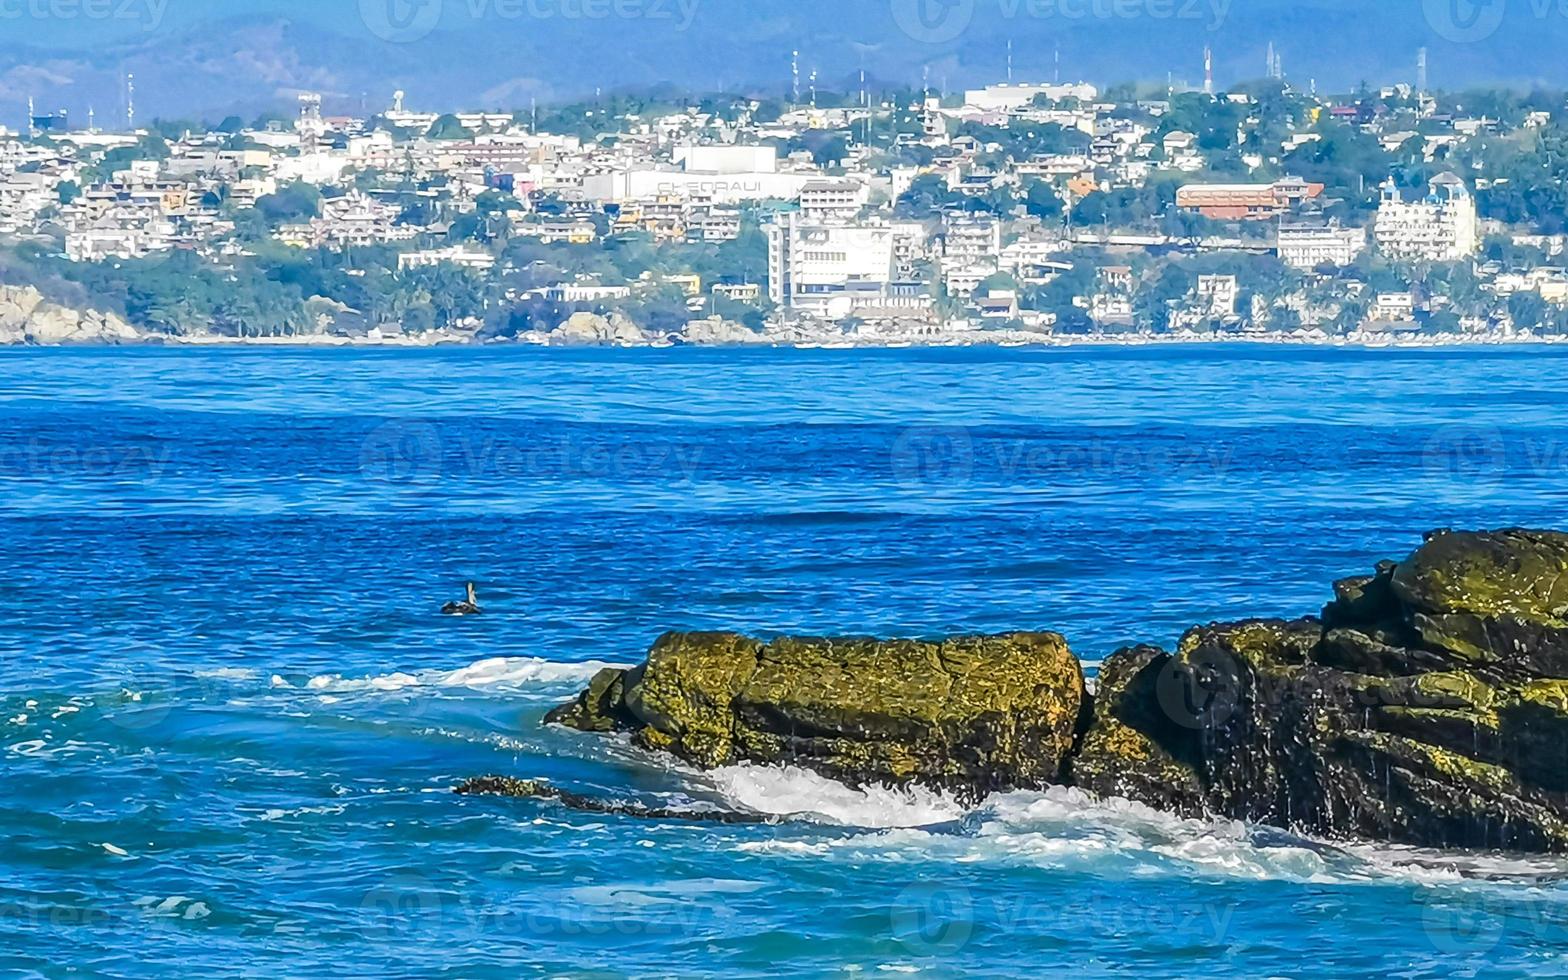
x=973 y=713
x=1492 y=573
x=1132 y=749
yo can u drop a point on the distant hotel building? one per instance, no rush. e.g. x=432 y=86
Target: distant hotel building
x=1306 y=246
x=1442 y=227
x=1246 y=202
x=834 y=268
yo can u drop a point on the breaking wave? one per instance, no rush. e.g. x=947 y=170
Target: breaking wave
x=1069 y=830
x=494 y=673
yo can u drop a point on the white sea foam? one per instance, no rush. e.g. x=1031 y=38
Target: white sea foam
x=791 y=791
x=1067 y=829
x=173 y=907
x=228 y=674
x=498 y=672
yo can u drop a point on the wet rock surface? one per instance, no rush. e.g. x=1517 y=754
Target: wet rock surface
x=1428 y=705
x=972 y=714
x=1425 y=707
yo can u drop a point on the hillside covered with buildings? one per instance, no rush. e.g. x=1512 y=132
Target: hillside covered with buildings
x=1014 y=213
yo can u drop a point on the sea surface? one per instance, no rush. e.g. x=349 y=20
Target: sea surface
x=231 y=716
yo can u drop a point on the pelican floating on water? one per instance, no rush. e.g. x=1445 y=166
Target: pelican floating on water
x=468 y=607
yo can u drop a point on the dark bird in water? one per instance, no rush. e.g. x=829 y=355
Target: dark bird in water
x=468 y=607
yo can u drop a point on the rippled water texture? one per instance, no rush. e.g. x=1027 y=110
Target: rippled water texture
x=230 y=716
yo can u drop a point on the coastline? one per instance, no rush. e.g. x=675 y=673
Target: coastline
x=1010 y=342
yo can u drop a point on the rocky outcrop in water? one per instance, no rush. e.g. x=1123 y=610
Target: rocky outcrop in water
x=973 y=714
x=591 y=329
x=536 y=789
x=26 y=318
x=719 y=332
x=1427 y=705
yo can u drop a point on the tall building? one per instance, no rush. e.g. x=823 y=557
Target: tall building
x=828 y=268
x=1442 y=227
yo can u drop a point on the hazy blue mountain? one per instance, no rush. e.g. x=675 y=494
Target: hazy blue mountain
x=246 y=55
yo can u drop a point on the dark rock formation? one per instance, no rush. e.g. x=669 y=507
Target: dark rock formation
x=536 y=789
x=1428 y=705
x=1425 y=708
x=973 y=714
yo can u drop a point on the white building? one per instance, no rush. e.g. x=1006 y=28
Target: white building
x=1442 y=227
x=833 y=198
x=1217 y=295
x=622 y=185
x=971 y=252
x=728 y=159
x=456 y=255
x=1309 y=246
x=1393 y=308
x=826 y=268
x=1002 y=98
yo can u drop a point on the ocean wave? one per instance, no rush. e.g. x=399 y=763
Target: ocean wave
x=1066 y=829
x=496 y=672
x=789 y=791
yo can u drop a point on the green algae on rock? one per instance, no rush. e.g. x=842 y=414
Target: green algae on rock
x=1424 y=708
x=973 y=713
x=1428 y=706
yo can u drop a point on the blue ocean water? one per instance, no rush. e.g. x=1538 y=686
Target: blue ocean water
x=231 y=717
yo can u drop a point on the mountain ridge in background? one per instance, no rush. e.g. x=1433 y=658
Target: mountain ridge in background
x=253 y=55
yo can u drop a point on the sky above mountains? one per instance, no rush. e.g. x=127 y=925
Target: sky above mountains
x=211 y=57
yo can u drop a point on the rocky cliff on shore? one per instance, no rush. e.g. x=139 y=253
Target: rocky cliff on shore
x=26 y=318
x=1427 y=705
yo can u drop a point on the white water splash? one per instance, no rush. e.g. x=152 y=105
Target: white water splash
x=1067 y=829
x=790 y=791
x=494 y=673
